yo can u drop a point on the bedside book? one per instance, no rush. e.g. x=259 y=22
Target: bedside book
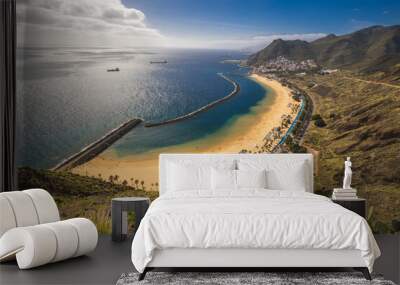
x=344 y=198
x=341 y=190
x=344 y=194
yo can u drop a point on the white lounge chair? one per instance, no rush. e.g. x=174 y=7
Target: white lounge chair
x=31 y=230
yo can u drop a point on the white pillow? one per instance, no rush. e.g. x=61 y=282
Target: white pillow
x=251 y=178
x=183 y=178
x=223 y=179
x=186 y=174
x=282 y=174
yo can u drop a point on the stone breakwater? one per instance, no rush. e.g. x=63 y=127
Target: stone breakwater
x=235 y=90
x=95 y=148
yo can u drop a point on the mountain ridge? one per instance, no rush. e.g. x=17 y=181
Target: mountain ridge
x=376 y=48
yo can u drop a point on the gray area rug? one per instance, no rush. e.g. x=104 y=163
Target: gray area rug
x=273 y=278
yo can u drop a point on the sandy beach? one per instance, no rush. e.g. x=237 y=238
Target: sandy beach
x=246 y=132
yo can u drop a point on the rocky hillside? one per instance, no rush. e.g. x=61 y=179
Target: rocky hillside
x=361 y=121
x=372 y=49
x=360 y=109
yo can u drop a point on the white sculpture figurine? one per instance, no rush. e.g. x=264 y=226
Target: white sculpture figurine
x=347 y=174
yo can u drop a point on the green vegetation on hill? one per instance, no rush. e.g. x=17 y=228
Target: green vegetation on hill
x=362 y=121
x=80 y=196
x=318 y=121
x=356 y=112
x=294 y=146
x=372 y=49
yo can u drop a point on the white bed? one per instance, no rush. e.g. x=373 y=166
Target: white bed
x=249 y=227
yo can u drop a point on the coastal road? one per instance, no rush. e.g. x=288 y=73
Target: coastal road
x=372 y=82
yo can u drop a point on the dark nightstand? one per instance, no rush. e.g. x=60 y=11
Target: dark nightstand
x=119 y=214
x=357 y=205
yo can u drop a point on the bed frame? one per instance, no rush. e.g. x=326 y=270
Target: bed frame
x=242 y=259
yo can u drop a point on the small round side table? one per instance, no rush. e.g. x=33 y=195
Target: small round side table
x=119 y=215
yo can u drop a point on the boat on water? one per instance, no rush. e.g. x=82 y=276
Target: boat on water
x=113 y=70
x=160 y=61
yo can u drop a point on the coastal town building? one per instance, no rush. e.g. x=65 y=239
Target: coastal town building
x=281 y=64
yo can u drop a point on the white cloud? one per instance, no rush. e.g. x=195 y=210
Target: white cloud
x=83 y=23
x=109 y=23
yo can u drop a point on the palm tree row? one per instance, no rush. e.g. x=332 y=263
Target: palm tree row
x=135 y=183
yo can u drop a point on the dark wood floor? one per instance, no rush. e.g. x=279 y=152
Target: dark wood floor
x=103 y=266
x=110 y=260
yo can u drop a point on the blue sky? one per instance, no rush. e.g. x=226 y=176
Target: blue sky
x=203 y=20
x=222 y=24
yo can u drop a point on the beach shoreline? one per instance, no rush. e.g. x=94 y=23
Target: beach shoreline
x=246 y=134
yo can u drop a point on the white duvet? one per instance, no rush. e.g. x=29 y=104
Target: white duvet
x=250 y=219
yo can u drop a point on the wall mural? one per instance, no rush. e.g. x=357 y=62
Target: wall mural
x=103 y=90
